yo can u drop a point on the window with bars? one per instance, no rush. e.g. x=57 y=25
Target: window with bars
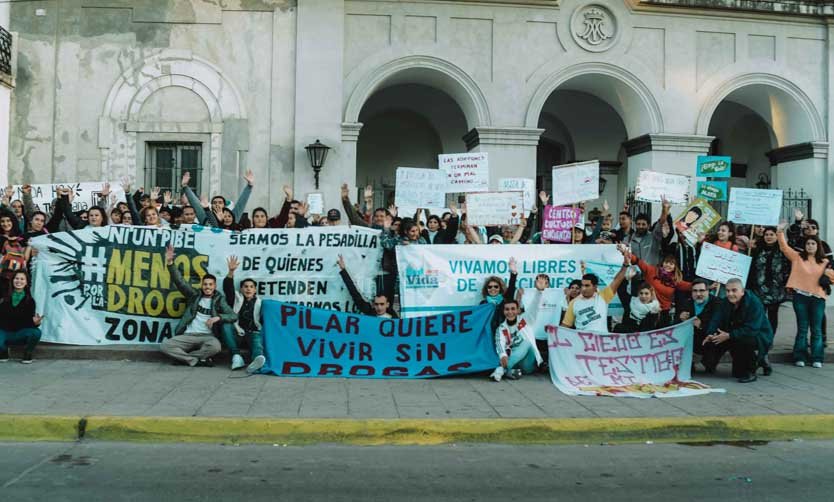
x=166 y=163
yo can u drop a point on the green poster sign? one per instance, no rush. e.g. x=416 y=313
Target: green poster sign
x=714 y=166
x=712 y=190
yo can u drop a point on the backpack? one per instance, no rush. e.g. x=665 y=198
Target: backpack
x=13 y=255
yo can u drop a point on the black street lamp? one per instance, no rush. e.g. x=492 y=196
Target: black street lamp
x=318 y=153
x=764 y=181
x=602 y=183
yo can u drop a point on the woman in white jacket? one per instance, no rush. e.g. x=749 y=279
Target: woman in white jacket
x=515 y=341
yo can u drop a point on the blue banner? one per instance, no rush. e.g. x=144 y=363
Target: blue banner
x=714 y=166
x=302 y=341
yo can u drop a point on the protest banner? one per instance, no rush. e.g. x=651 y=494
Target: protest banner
x=650 y=364
x=573 y=183
x=436 y=278
x=712 y=190
x=420 y=187
x=558 y=223
x=494 y=208
x=110 y=285
x=712 y=166
x=465 y=172
x=721 y=265
x=86 y=194
x=315 y=201
x=652 y=186
x=698 y=218
x=526 y=185
x=313 y=342
x=755 y=206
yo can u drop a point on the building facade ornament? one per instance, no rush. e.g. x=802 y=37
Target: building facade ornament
x=594 y=28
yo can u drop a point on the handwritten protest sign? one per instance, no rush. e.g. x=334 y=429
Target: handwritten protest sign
x=526 y=185
x=649 y=364
x=721 y=265
x=652 y=185
x=574 y=183
x=117 y=288
x=316 y=202
x=494 y=208
x=710 y=166
x=466 y=172
x=558 y=223
x=87 y=194
x=420 y=187
x=755 y=206
x=313 y=342
x=712 y=190
x=698 y=218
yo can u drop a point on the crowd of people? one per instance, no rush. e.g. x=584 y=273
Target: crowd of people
x=657 y=284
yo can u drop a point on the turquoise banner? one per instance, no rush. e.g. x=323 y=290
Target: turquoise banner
x=710 y=166
x=712 y=190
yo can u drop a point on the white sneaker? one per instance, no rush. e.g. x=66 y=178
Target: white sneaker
x=237 y=362
x=497 y=374
x=817 y=365
x=256 y=365
x=799 y=364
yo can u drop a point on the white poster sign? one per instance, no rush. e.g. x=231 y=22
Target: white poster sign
x=494 y=208
x=574 y=183
x=420 y=187
x=526 y=185
x=755 y=206
x=652 y=186
x=110 y=285
x=721 y=265
x=87 y=194
x=466 y=172
x=315 y=201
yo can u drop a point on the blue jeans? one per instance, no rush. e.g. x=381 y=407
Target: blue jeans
x=254 y=339
x=522 y=357
x=809 y=313
x=28 y=336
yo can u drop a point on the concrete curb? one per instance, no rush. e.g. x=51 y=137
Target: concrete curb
x=415 y=431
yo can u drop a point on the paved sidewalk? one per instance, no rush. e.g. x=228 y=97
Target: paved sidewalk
x=123 y=388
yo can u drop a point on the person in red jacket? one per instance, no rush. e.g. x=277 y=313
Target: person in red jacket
x=665 y=279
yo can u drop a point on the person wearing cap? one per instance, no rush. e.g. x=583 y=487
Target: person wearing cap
x=334 y=217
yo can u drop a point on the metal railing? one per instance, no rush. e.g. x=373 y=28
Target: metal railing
x=636 y=207
x=5 y=51
x=795 y=199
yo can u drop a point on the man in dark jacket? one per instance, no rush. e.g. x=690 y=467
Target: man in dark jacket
x=740 y=326
x=207 y=314
x=381 y=306
x=700 y=308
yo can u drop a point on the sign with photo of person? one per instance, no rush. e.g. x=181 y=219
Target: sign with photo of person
x=698 y=218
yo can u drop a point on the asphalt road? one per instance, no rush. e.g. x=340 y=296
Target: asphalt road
x=88 y=471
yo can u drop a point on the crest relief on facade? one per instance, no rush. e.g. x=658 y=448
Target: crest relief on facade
x=594 y=27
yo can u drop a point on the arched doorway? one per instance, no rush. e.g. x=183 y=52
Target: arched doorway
x=405 y=125
x=769 y=132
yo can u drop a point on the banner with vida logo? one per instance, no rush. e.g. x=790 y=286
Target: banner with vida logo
x=110 y=285
x=436 y=278
x=650 y=364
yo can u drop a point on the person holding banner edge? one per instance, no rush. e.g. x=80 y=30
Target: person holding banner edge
x=247 y=306
x=207 y=313
x=381 y=306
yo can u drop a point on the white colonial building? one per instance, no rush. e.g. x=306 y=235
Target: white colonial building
x=106 y=88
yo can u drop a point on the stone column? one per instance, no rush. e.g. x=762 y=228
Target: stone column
x=350 y=138
x=318 y=96
x=512 y=151
x=667 y=153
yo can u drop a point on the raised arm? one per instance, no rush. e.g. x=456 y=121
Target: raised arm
x=353 y=217
x=786 y=249
x=361 y=303
x=243 y=198
x=176 y=277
